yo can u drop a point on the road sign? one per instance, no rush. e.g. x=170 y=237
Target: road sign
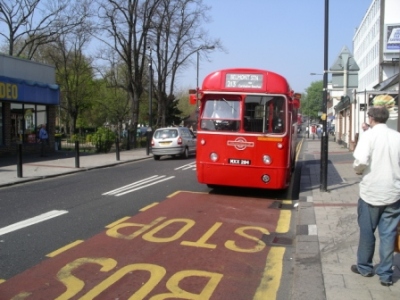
x=345 y=62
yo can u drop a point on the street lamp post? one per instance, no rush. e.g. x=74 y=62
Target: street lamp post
x=324 y=139
x=149 y=129
x=308 y=128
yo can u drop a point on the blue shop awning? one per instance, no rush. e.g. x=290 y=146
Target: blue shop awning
x=25 y=91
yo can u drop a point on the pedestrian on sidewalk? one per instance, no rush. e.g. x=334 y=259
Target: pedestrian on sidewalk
x=377 y=158
x=313 y=131
x=319 y=131
x=43 y=139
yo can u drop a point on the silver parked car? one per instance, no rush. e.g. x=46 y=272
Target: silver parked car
x=179 y=141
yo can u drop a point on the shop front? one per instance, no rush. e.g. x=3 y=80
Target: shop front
x=26 y=103
x=342 y=121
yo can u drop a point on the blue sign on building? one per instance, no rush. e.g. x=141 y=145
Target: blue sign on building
x=26 y=91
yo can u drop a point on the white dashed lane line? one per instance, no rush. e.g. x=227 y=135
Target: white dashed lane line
x=32 y=221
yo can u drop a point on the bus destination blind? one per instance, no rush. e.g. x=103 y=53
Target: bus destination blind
x=252 y=81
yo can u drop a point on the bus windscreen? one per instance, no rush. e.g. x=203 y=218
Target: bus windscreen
x=221 y=114
x=261 y=114
x=264 y=114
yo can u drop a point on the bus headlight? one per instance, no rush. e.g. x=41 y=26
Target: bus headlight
x=267 y=159
x=214 y=156
x=265 y=178
x=279 y=145
x=202 y=142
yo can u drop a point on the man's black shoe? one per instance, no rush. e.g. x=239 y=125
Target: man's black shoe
x=354 y=269
x=386 y=283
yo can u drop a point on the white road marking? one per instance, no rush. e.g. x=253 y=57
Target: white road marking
x=187 y=166
x=138 y=185
x=32 y=221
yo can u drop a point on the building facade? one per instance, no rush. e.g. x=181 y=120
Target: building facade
x=376 y=50
x=376 y=46
x=29 y=97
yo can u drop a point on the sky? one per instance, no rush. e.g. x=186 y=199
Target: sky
x=283 y=36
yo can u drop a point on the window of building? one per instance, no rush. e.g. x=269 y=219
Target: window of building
x=25 y=121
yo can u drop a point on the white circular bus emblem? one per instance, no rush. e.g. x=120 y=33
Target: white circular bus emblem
x=240 y=143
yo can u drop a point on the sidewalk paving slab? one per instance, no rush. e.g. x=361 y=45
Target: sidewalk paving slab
x=335 y=218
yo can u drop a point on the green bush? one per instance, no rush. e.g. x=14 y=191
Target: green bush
x=103 y=139
x=89 y=138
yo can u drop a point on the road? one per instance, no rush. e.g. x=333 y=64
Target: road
x=144 y=218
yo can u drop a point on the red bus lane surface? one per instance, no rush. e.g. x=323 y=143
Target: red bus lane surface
x=190 y=246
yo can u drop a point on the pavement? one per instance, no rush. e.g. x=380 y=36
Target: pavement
x=35 y=167
x=326 y=230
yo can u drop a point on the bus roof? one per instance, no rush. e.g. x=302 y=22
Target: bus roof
x=246 y=80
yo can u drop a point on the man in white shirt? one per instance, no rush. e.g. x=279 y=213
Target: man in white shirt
x=377 y=158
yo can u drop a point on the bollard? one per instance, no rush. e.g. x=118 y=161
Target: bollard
x=117 y=147
x=76 y=154
x=147 y=143
x=128 y=141
x=19 y=161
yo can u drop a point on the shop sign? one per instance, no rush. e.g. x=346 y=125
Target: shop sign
x=8 y=91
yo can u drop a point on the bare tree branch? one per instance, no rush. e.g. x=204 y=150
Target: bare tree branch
x=33 y=23
x=177 y=34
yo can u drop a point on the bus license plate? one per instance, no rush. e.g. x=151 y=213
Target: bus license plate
x=235 y=161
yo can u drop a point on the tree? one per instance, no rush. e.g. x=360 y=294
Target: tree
x=31 y=25
x=126 y=25
x=74 y=74
x=163 y=33
x=111 y=103
x=184 y=103
x=312 y=102
x=175 y=35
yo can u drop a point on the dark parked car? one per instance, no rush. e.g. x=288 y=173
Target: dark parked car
x=178 y=141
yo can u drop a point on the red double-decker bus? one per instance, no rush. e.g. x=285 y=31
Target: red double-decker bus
x=247 y=127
